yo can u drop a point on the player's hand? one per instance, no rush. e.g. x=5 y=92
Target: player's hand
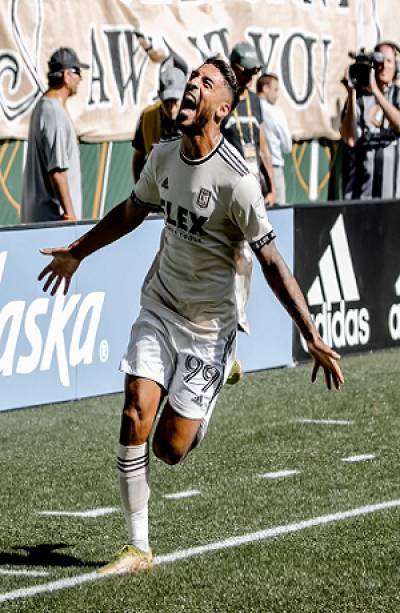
x=62 y=267
x=269 y=199
x=325 y=358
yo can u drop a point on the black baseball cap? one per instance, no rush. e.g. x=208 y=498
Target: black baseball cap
x=245 y=55
x=172 y=84
x=64 y=58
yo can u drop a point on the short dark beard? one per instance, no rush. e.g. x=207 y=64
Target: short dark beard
x=195 y=129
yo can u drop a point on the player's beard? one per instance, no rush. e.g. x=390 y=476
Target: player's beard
x=195 y=128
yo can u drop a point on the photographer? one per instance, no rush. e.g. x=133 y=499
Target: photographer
x=371 y=125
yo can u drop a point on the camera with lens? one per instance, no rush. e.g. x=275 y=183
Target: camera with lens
x=363 y=64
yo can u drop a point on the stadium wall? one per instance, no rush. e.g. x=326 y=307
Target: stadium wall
x=313 y=173
x=345 y=256
x=56 y=349
x=348 y=266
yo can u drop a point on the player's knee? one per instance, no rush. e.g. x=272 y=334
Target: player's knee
x=135 y=420
x=132 y=421
x=167 y=453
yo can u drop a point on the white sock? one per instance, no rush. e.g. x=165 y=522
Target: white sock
x=133 y=469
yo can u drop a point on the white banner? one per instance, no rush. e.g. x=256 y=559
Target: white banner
x=306 y=42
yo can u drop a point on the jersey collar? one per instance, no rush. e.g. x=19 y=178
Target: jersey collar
x=186 y=160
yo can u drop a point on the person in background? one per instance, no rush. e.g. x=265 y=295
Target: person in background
x=158 y=121
x=52 y=175
x=242 y=127
x=242 y=130
x=371 y=130
x=276 y=130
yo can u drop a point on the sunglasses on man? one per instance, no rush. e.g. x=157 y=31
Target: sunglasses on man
x=248 y=71
x=75 y=70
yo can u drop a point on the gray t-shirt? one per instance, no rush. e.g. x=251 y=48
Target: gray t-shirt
x=211 y=206
x=52 y=145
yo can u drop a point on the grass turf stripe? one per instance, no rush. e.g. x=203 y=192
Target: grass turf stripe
x=184 y=554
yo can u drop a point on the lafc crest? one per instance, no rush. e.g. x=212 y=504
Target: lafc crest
x=203 y=198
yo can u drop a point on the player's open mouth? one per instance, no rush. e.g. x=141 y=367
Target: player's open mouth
x=189 y=102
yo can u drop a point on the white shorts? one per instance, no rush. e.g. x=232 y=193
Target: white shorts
x=190 y=367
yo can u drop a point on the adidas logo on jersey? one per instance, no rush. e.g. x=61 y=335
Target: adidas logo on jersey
x=394 y=315
x=336 y=284
x=198 y=400
x=164 y=184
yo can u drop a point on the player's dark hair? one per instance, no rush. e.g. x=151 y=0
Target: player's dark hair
x=265 y=79
x=229 y=77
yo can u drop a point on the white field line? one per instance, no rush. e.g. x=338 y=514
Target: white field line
x=184 y=554
x=279 y=474
x=24 y=573
x=359 y=458
x=178 y=495
x=92 y=513
x=326 y=422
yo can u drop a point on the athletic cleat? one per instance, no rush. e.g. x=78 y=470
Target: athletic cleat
x=236 y=373
x=129 y=559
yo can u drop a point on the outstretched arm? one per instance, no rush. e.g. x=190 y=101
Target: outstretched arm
x=121 y=220
x=287 y=290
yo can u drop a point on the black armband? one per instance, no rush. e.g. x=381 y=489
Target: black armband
x=265 y=240
x=147 y=205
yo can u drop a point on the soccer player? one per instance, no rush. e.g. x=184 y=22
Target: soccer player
x=183 y=343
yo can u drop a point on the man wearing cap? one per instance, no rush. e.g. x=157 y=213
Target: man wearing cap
x=371 y=129
x=242 y=127
x=52 y=176
x=158 y=121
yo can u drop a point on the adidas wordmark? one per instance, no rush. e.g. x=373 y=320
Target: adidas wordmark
x=334 y=287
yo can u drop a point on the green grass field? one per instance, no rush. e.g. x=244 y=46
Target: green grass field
x=61 y=458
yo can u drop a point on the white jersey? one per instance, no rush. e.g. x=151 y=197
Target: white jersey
x=211 y=206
